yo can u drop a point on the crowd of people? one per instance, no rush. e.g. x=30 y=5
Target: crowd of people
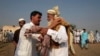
x=8 y=35
x=92 y=37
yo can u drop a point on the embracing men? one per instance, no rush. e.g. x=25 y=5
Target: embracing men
x=27 y=45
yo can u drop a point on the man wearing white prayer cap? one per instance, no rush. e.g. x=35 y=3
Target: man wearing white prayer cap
x=16 y=34
x=59 y=43
x=51 y=11
x=21 y=22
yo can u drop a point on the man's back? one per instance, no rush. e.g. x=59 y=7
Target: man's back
x=16 y=35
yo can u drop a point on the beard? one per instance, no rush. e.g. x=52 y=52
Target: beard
x=49 y=22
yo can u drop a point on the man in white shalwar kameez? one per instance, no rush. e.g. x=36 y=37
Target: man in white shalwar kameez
x=91 y=37
x=97 y=36
x=77 y=34
x=24 y=47
x=60 y=36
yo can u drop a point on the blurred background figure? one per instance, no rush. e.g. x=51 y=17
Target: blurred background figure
x=91 y=37
x=1 y=35
x=75 y=39
x=97 y=36
x=77 y=36
x=84 y=39
x=7 y=35
x=10 y=35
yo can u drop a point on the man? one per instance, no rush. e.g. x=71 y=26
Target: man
x=91 y=37
x=11 y=35
x=25 y=45
x=17 y=32
x=77 y=37
x=97 y=36
x=59 y=37
x=84 y=39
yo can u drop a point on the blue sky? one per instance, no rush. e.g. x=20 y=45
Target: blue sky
x=83 y=13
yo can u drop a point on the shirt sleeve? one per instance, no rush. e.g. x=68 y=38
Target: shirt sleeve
x=36 y=36
x=59 y=36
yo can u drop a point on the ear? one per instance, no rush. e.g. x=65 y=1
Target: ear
x=32 y=17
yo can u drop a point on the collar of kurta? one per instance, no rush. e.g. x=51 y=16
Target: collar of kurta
x=32 y=23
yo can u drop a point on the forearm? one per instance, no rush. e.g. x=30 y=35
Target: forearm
x=36 y=36
x=58 y=36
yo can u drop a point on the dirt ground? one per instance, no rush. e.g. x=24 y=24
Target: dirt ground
x=7 y=49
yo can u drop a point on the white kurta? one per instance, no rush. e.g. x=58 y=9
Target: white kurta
x=97 y=37
x=24 y=47
x=77 y=36
x=91 y=37
x=61 y=37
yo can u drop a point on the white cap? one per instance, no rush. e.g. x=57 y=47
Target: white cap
x=21 y=19
x=54 y=10
x=51 y=11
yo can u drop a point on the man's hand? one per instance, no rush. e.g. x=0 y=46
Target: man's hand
x=28 y=33
x=55 y=23
x=40 y=38
x=44 y=31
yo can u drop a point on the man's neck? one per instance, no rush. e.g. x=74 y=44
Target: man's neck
x=34 y=24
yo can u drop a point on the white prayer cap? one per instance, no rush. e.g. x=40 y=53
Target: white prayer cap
x=21 y=19
x=51 y=11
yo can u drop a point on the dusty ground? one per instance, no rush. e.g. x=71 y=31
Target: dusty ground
x=93 y=50
x=7 y=49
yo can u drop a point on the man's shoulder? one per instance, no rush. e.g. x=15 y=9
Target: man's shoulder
x=26 y=24
x=17 y=30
